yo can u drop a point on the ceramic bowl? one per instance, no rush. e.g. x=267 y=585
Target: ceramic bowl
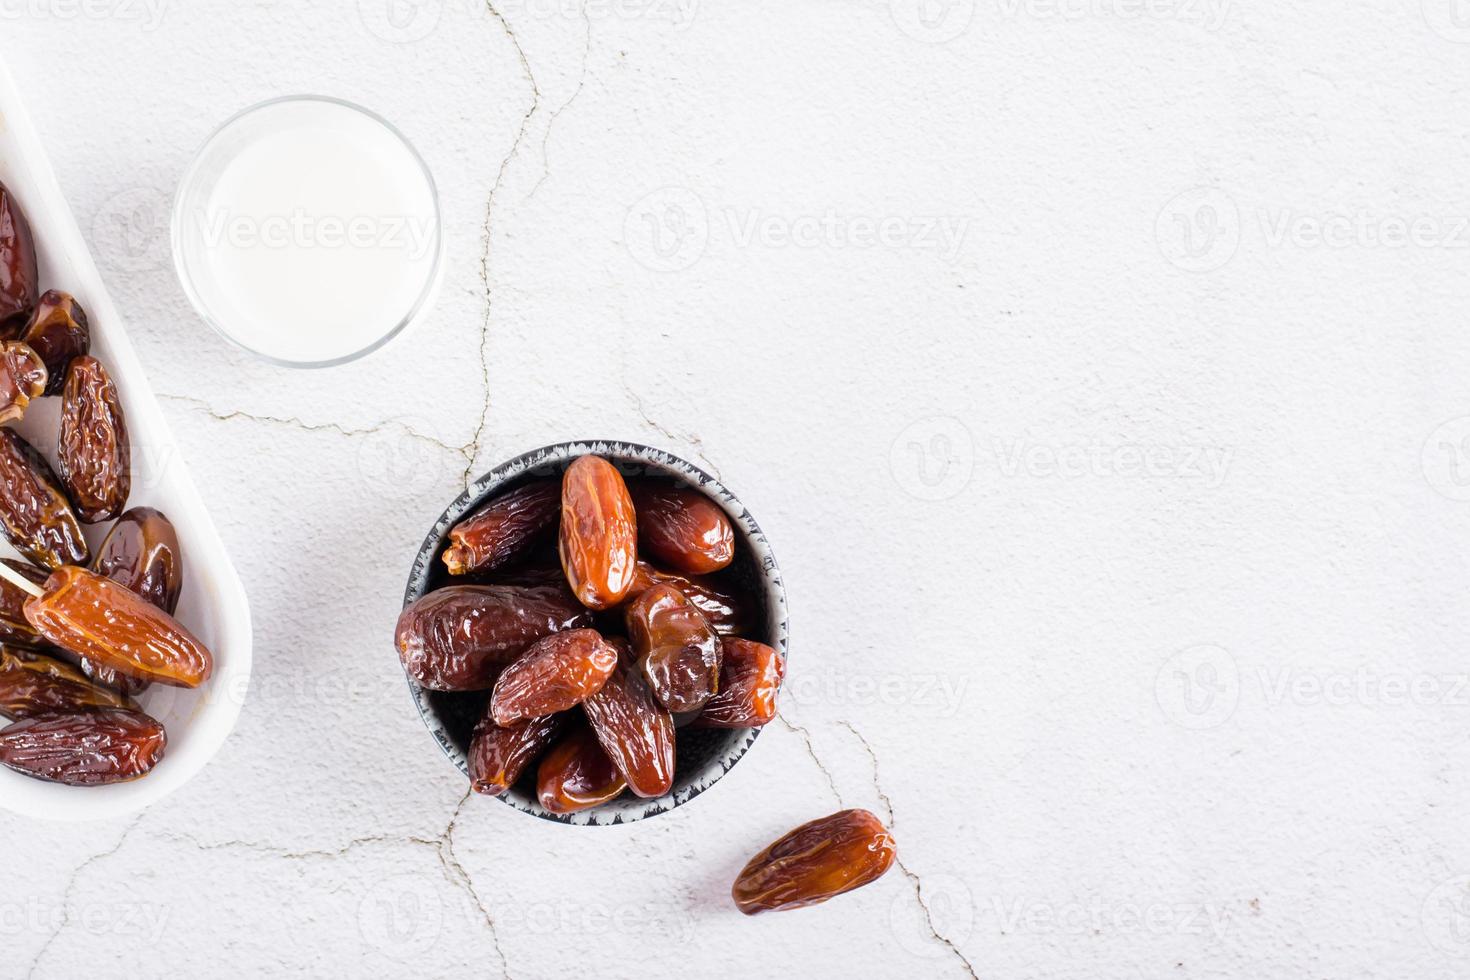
x=704 y=755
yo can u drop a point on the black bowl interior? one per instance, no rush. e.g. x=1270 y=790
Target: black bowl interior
x=702 y=755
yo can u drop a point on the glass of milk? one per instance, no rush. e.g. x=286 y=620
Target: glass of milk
x=307 y=231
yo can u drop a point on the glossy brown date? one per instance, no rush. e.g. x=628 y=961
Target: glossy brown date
x=142 y=552
x=96 y=618
x=750 y=680
x=599 y=533
x=36 y=516
x=499 y=755
x=22 y=378
x=677 y=649
x=727 y=612
x=15 y=629
x=84 y=749
x=815 y=862
x=58 y=332
x=554 y=674
x=34 y=684
x=577 y=775
x=503 y=529
x=461 y=637
x=18 y=272
x=682 y=528
x=633 y=729
x=94 y=456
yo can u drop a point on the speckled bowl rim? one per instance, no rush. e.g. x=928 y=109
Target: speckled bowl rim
x=628 y=809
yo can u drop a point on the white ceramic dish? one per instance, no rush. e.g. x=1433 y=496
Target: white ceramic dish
x=213 y=604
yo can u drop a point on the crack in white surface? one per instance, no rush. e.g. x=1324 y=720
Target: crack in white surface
x=692 y=440
x=806 y=738
x=913 y=878
x=443 y=846
x=67 y=891
x=489 y=235
x=551 y=120
x=304 y=426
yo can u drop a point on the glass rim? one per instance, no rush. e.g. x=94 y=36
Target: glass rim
x=178 y=218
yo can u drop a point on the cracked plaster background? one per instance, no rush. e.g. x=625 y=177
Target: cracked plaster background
x=1080 y=694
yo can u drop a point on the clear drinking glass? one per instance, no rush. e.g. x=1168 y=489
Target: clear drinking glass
x=307 y=231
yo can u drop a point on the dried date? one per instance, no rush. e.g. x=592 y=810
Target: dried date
x=750 y=680
x=599 y=533
x=577 y=775
x=58 y=332
x=18 y=271
x=554 y=674
x=84 y=749
x=677 y=649
x=142 y=552
x=815 y=862
x=94 y=455
x=22 y=378
x=498 y=755
x=113 y=626
x=34 y=684
x=36 y=515
x=728 y=613
x=682 y=528
x=461 y=637
x=633 y=728
x=15 y=629
x=503 y=529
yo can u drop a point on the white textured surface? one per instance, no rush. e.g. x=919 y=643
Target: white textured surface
x=1164 y=676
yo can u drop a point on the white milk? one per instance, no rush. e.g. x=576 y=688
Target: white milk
x=308 y=231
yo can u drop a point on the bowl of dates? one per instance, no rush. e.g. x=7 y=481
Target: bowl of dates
x=595 y=632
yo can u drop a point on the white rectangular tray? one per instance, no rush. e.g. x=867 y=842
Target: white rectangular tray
x=213 y=604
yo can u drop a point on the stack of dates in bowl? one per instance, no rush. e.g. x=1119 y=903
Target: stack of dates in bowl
x=595 y=633
x=81 y=634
